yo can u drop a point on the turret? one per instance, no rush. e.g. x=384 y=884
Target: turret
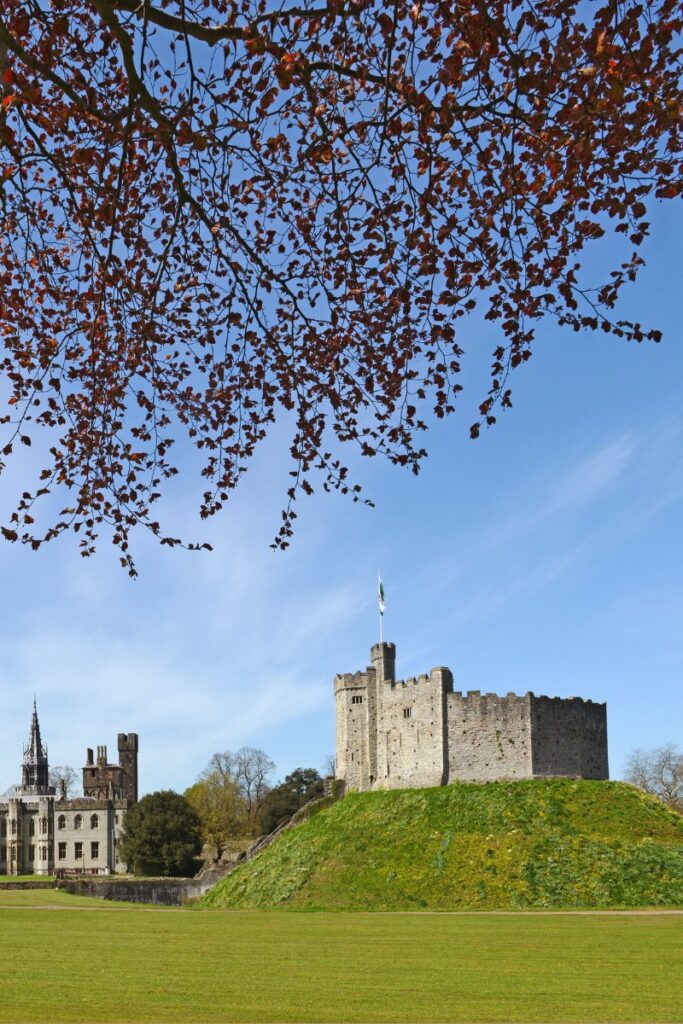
x=128 y=759
x=113 y=781
x=384 y=662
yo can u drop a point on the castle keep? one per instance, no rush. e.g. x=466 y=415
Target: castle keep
x=42 y=831
x=393 y=734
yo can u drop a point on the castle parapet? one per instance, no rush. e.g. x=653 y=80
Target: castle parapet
x=417 y=731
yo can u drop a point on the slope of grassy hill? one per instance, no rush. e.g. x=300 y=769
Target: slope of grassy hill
x=541 y=843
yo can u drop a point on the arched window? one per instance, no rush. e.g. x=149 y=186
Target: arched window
x=3 y=828
x=14 y=826
x=61 y=822
x=31 y=827
x=43 y=826
x=94 y=821
x=78 y=821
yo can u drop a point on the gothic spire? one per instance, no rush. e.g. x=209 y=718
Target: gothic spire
x=34 y=748
x=35 y=767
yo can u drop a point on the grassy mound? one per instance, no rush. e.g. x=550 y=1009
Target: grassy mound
x=541 y=843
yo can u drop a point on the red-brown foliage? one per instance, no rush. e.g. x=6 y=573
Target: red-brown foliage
x=216 y=210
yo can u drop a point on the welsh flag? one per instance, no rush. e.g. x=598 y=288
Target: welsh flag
x=380 y=594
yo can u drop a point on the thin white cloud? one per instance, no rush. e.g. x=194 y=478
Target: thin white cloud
x=578 y=518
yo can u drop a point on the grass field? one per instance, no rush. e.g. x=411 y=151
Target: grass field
x=558 y=843
x=71 y=959
x=25 y=879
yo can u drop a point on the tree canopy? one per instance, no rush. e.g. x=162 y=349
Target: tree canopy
x=216 y=213
x=218 y=803
x=285 y=799
x=229 y=794
x=161 y=835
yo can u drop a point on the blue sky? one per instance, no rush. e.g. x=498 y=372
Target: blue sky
x=545 y=556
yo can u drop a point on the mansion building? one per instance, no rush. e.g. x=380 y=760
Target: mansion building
x=41 y=831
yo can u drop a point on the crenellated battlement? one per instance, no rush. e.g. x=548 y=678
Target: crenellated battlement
x=350 y=679
x=418 y=731
x=411 y=681
x=570 y=700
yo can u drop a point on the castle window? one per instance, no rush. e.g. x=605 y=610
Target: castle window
x=31 y=827
x=14 y=827
x=407 y=712
x=3 y=853
x=61 y=851
x=78 y=821
x=94 y=850
x=356 y=700
x=31 y=853
x=78 y=851
x=3 y=828
x=61 y=822
x=94 y=821
x=43 y=825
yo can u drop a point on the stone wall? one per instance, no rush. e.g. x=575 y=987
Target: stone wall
x=352 y=728
x=417 y=732
x=27 y=885
x=101 y=822
x=171 y=892
x=568 y=737
x=26 y=836
x=489 y=737
x=412 y=740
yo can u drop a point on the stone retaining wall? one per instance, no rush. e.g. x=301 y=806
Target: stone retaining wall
x=26 y=885
x=170 y=892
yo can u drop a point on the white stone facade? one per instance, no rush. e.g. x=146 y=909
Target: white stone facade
x=418 y=732
x=42 y=832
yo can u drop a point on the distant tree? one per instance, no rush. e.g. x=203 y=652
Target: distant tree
x=224 y=764
x=161 y=835
x=232 y=789
x=658 y=771
x=63 y=777
x=254 y=769
x=329 y=765
x=217 y=799
x=285 y=799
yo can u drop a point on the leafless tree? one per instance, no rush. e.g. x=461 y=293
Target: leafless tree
x=254 y=770
x=223 y=764
x=63 y=777
x=249 y=769
x=658 y=771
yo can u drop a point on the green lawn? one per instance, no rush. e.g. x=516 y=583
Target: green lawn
x=12 y=879
x=547 y=843
x=71 y=959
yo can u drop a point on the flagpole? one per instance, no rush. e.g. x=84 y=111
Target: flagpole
x=380 y=598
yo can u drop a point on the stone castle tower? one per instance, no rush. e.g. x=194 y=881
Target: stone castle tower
x=393 y=734
x=118 y=781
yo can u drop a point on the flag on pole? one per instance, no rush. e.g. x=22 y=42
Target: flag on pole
x=380 y=594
